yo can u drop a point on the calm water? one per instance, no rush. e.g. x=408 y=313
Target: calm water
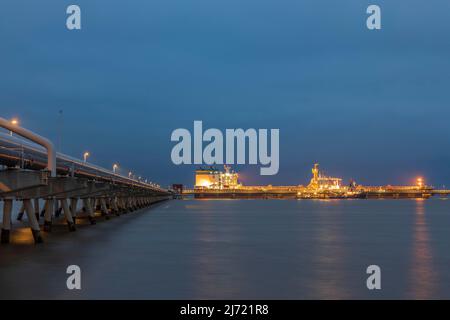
x=255 y=249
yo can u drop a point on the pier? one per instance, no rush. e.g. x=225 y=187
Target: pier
x=47 y=184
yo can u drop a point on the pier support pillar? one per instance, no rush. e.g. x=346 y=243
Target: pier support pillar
x=115 y=206
x=33 y=221
x=58 y=209
x=87 y=203
x=129 y=204
x=73 y=209
x=97 y=204
x=36 y=208
x=48 y=215
x=103 y=208
x=119 y=205
x=6 y=227
x=68 y=214
x=123 y=205
x=109 y=205
x=44 y=208
x=21 y=212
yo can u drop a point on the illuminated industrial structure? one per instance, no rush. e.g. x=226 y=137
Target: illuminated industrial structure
x=212 y=178
x=323 y=182
x=211 y=183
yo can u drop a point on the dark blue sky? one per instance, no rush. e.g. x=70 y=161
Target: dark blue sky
x=369 y=105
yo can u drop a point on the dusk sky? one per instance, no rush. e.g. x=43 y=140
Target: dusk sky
x=368 y=105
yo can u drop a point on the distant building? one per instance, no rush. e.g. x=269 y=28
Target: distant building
x=320 y=181
x=211 y=178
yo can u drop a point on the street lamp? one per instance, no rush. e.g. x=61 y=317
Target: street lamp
x=115 y=166
x=85 y=156
x=14 y=122
x=129 y=174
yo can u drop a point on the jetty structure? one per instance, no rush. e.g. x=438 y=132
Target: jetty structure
x=213 y=183
x=46 y=184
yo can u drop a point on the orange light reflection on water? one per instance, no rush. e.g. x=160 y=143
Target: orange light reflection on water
x=423 y=274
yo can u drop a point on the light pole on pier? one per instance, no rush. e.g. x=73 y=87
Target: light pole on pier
x=115 y=166
x=15 y=122
x=85 y=156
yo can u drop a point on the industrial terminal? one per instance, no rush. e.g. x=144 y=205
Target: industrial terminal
x=211 y=182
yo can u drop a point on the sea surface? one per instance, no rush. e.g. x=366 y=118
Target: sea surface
x=242 y=249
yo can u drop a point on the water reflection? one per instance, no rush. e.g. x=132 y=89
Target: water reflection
x=212 y=270
x=330 y=255
x=423 y=273
x=243 y=250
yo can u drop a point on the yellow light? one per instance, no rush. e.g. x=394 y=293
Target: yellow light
x=420 y=182
x=204 y=183
x=15 y=121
